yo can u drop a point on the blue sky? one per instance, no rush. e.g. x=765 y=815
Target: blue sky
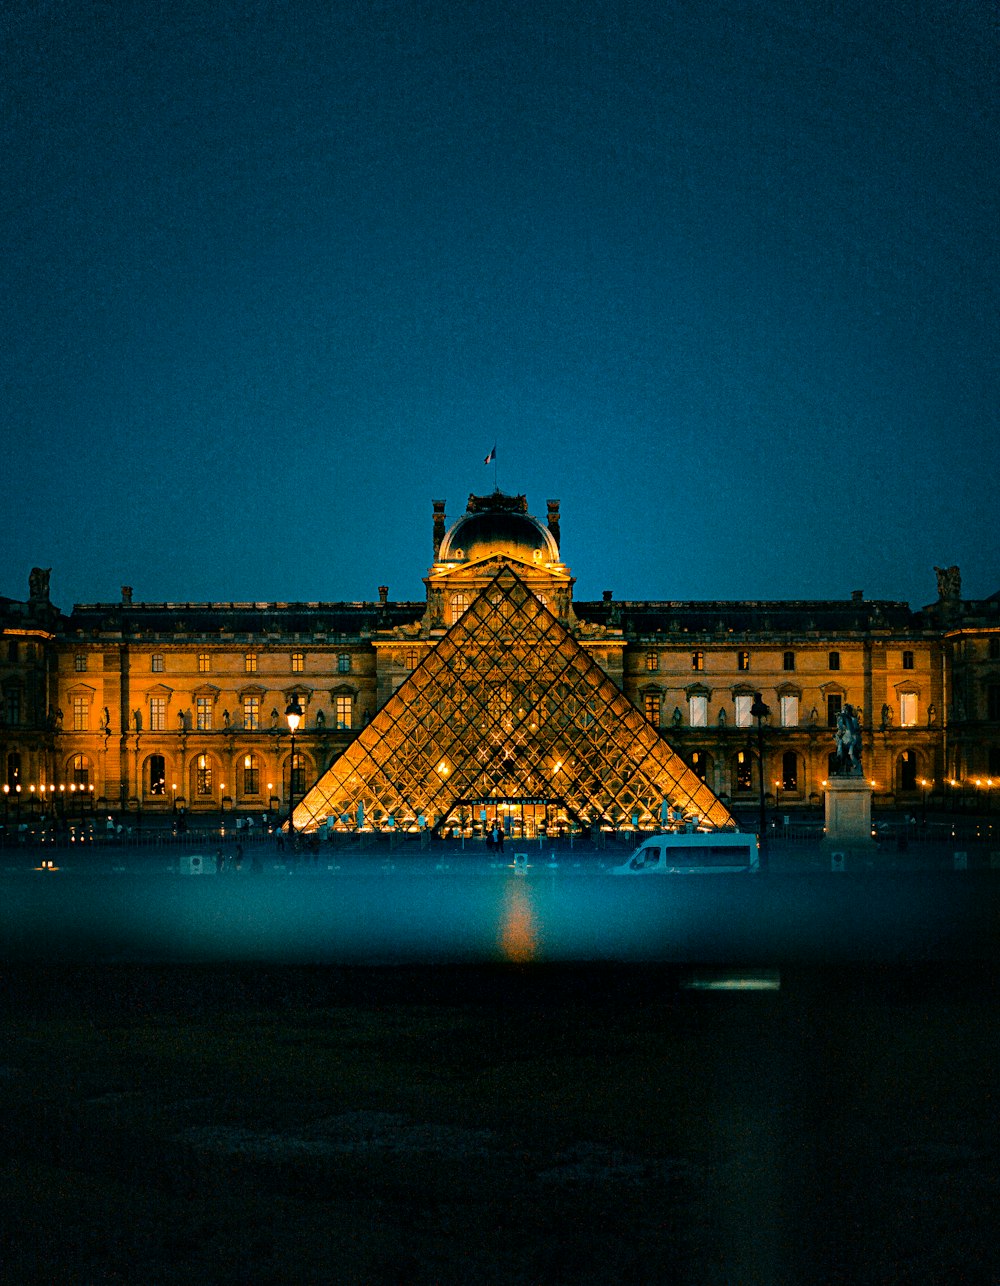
x=722 y=277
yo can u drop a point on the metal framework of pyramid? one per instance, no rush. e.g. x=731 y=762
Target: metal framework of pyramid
x=507 y=709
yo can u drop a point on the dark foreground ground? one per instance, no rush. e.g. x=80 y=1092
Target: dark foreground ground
x=499 y=1123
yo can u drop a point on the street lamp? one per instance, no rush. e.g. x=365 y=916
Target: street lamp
x=293 y=713
x=760 y=711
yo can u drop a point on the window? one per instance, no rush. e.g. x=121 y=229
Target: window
x=79 y=771
x=344 y=663
x=994 y=649
x=81 y=714
x=459 y=604
x=907 y=660
x=697 y=660
x=834 y=704
x=788 y=661
x=251 y=775
x=12 y=650
x=156 y=775
x=156 y=662
x=652 y=704
x=652 y=661
x=157 y=714
x=14 y=768
x=80 y=662
x=698 y=710
x=298 y=773
x=993 y=702
x=743 y=660
x=907 y=709
x=908 y=770
x=203 y=775
x=250 y=662
x=203 y=714
x=410 y=659
x=789 y=771
x=204 y=662
x=298 y=662
x=744 y=704
x=343 y=711
x=744 y=771
x=12 y=702
x=251 y=713
x=789 y=707
x=834 y=661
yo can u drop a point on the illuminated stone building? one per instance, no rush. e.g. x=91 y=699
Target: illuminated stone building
x=497 y=692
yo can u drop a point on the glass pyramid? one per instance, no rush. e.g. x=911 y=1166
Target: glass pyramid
x=508 y=717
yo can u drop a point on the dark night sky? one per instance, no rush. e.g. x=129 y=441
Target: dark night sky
x=721 y=276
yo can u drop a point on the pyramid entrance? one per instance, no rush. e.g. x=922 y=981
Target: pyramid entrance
x=508 y=716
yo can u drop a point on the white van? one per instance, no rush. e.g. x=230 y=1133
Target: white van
x=693 y=853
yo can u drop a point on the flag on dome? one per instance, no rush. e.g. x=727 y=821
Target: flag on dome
x=492 y=455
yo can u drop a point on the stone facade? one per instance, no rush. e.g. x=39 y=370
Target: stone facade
x=169 y=705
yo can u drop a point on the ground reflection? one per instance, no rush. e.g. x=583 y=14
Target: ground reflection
x=518 y=924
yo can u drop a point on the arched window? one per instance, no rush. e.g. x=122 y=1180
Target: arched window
x=699 y=764
x=297 y=769
x=155 y=776
x=790 y=771
x=250 y=767
x=79 y=772
x=14 y=768
x=459 y=604
x=203 y=776
x=744 y=771
x=908 y=770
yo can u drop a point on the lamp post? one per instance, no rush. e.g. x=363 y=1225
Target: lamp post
x=760 y=712
x=293 y=713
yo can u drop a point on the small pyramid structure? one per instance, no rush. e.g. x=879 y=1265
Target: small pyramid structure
x=507 y=707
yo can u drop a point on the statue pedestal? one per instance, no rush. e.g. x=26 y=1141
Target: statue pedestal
x=848 y=816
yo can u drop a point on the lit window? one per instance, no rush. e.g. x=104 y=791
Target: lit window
x=13 y=704
x=250 y=662
x=834 y=704
x=79 y=770
x=251 y=713
x=157 y=714
x=203 y=713
x=744 y=703
x=697 y=660
x=788 y=661
x=203 y=775
x=344 y=711
x=789 y=711
x=744 y=771
x=81 y=714
x=298 y=662
x=204 y=662
x=907 y=709
x=834 y=661
x=80 y=662
x=344 y=663
x=156 y=662
x=411 y=658
x=698 y=710
x=907 y=660
x=743 y=660
x=652 y=703
x=699 y=764
x=251 y=775
x=459 y=605
x=652 y=661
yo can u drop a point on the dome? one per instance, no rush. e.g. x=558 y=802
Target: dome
x=494 y=531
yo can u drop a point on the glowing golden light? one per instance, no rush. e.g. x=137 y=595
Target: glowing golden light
x=518 y=934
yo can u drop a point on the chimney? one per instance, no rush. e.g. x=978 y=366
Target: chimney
x=383 y=594
x=438 y=524
x=126 y=595
x=857 y=595
x=554 y=520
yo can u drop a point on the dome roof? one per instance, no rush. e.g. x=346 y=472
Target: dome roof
x=478 y=535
